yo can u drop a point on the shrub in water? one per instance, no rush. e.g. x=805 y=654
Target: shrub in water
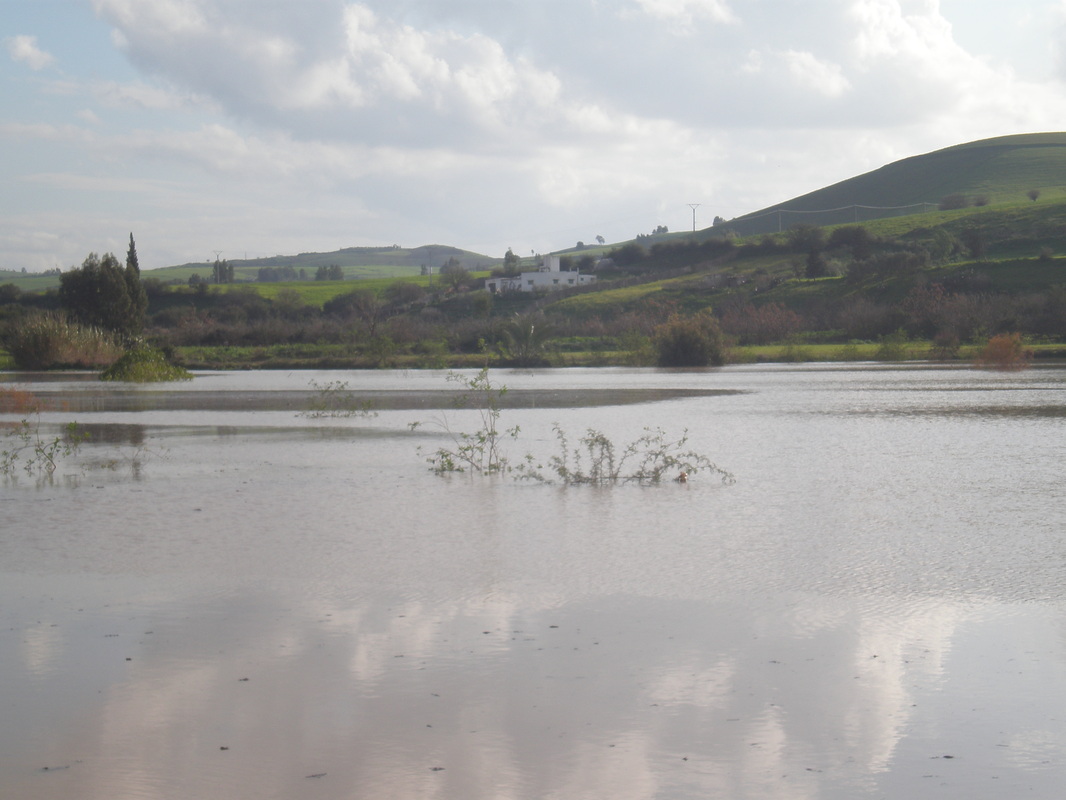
x=596 y=461
x=694 y=341
x=145 y=365
x=1006 y=352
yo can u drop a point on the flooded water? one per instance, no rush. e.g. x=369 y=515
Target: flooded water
x=222 y=598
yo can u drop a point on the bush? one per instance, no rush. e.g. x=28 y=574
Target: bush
x=144 y=365
x=893 y=347
x=1005 y=352
x=51 y=341
x=694 y=341
x=770 y=322
x=951 y=202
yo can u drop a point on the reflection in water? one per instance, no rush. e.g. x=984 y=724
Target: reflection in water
x=113 y=434
x=874 y=609
x=621 y=695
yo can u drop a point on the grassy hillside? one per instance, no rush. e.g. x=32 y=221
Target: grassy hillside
x=355 y=262
x=994 y=268
x=1002 y=170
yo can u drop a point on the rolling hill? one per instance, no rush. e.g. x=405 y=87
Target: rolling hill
x=1001 y=170
x=355 y=262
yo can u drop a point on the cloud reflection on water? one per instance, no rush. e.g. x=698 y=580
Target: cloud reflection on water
x=623 y=695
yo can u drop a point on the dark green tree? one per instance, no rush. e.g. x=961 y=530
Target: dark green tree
x=805 y=237
x=137 y=292
x=132 y=264
x=222 y=271
x=855 y=237
x=361 y=304
x=103 y=294
x=454 y=274
x=817 y=266
x=333 y=272
x=511 y=263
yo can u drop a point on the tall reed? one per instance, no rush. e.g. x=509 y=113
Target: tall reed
x=51 y=341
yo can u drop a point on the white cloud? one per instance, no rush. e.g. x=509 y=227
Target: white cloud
x=812 y=73
x=24 y=49
x=687 y=12
x=44 y=132
x=143 y=95
x=801 y=69
x=373 y=78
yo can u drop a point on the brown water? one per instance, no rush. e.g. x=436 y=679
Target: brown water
x=222 y=599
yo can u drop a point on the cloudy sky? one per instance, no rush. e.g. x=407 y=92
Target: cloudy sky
x=262 y=127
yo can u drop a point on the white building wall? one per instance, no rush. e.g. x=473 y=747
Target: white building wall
x=549 y=280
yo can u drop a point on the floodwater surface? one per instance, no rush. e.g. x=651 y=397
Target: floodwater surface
x=223 y=597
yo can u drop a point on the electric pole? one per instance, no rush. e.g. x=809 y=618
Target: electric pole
x=694 y=206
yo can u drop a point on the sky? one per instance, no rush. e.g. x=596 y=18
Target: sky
x=253 y=128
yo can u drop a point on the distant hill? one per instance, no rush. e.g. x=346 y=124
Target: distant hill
x=356 y=262
x=999 y=170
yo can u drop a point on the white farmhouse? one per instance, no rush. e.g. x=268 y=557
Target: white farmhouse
x=548 y=278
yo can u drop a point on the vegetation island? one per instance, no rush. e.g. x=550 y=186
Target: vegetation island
x=955 y=255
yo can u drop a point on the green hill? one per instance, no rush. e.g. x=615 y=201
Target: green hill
x=999 y=170
x=355 y=262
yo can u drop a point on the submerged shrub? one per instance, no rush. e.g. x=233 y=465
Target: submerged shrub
x=596 y=461
x=478 y=451
x=145 y=365
x=1005 y=352
x=694 y=341
x=334 y=399
x=51 y=341
x=24 y=448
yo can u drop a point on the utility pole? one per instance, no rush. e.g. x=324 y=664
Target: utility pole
x=694 y=206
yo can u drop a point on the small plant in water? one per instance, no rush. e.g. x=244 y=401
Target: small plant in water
x=478 y=451
x=596 y=461
x=334 y=399
x=35 y=454
x=132 y=462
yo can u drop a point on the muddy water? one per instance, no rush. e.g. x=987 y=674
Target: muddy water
x=219 y=598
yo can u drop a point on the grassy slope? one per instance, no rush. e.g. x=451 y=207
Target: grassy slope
x=357 y=262
x=1010 y=266
x=1004 y=169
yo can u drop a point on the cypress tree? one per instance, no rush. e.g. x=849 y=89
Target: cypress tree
x=138 y=296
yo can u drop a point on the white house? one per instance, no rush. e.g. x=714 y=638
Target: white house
x=549 y=277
